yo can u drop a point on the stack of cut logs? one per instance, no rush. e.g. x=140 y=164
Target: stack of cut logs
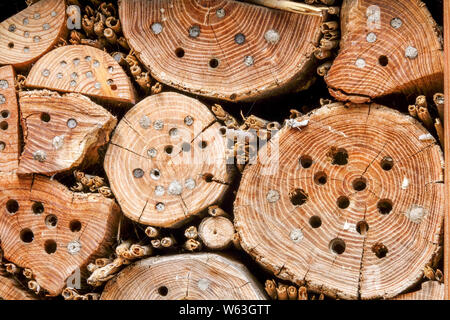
x=114 y=185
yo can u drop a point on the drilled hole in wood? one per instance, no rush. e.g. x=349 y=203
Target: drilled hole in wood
x=5 y=114
x=203 y=144
x=179 y=52
x=168 y=149
x=186 y=147
x=113 y=87
x=362 y=227
x=50 y=246
x=75 y=225
x=11 y=45
x=138 y=173
x=383 y=61
x=306 y=161
x=2 y=146
x=359 y=184
x=163 y=291
x=387 y=163
x=37 y=207
x=298 y=197
x=223 y=131
x=155 y=174
x=338 y=156
x=12 y=206
x=380 y=250
x=343 y=202
x=4 y=125
x=51 y=221
x=384 y=206
x=208 y=177
x=45 y=117
x=315 y=222
x=337 y=246
x=26 y=235
x=320 y=178
x=214 y=63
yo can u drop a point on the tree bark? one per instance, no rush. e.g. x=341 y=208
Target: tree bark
x=386 y=47
x=223 y=49
x=203 y=276
x=352 y=204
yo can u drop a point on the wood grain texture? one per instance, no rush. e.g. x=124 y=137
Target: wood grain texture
x=166 y=160
x=203 y=276
x=82 y=69
x=32 y=32
x=52 y=231
x=353 y=205
x=219 y=48
x=10 y=290
x=216 y=232
x=68 y=130
x=372 y=60
x=447 y=147
x=430 y=290
x=9 y=121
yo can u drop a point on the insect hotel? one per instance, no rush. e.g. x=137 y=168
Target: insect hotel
x=198 y=150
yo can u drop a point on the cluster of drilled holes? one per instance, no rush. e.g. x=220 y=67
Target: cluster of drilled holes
x=343 y=202
x=383 y=60
x=320 y=178
x=387 y=163
x=51 y=221
x=359 y=184
x=45 y=117
x=362 y=227
x=163 y=291
x=384 y=206
x=298 y=197
x=337 y=246
x=315 y=222
x=305 y=162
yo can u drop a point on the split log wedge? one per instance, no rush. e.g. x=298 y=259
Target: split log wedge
x=61 y=132
x=9 y=122
x=352 y=203
x=32 y=32
x=430 y=290
x=386 y=47
x=82 y=69
x=202 y=276
x=52 y=231
x=10 y=289
x=223 y=49
x=166 y=160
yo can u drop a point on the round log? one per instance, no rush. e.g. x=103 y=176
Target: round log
x=430 y=290
x=9 y=122
x=387 y=47
x=216 y=232
x=32 y=32
x=202 y=276
x=166 y=160
x=61 y=132
x=352 y=203
x=10 y=289
x=82 y=69
x=51 y=231
x=223 y=49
